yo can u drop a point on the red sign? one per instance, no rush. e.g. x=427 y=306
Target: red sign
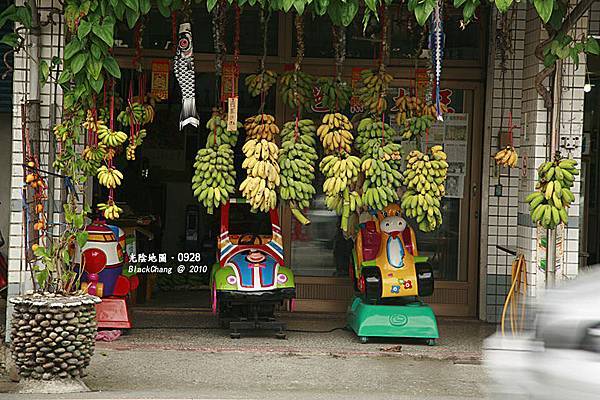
x=160 y=79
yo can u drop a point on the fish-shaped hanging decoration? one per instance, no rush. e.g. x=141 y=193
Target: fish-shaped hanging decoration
x=184 y=73
x=436 y=45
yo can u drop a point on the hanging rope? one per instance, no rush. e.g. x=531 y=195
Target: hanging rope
x=264 y=21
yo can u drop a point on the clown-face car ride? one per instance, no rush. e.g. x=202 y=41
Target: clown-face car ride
x=250 y=279
x=102 y=259
x=390 y=276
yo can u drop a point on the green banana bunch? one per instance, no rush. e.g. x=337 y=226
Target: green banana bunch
x=341 y=174
x=136 y=113
x=336 y=95
x=424 y=179
x=260 y=82
x=218 y=133
x=297 y=164
x=548 y=204
x=214 y=177
x=297 y=89
x=371 y=133
x=263 y=178
x=372 y=90
x=416 y=126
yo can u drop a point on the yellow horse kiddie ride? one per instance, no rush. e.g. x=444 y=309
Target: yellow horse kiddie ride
x=390 y=276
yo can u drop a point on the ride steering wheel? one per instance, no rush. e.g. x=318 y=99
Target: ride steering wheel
x=253 y=239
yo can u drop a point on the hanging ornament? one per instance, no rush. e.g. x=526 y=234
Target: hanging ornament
x=436 y=45
x=184 y=73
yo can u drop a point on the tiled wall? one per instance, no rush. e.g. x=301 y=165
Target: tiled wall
x=508 y=221
x=51 y=42
x=503 y=100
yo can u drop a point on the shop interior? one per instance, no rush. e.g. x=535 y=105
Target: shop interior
x=158 y=199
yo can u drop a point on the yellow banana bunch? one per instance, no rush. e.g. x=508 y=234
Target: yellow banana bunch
x=507 y=157
x=297 y=164
x=549 y=202
x=61 y=132
x=109 y=176
x=93 y=123
x=260 y=82
x=413 y=106
x=130 y=152
x=110 y=210
x=261 y=126
x=372 y=90
x=336 y=95
x=424 y=179
x=297 y=89
x=335 y=133
x=262 y=168
x=111 y=138
x=94 y=153
x=214 y=177
x=341 y=172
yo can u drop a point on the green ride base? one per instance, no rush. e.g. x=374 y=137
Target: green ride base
x=411 y=320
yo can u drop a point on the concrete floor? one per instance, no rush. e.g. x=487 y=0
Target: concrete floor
x=182 y=354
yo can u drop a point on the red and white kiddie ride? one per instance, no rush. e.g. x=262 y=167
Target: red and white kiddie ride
x=102 y=260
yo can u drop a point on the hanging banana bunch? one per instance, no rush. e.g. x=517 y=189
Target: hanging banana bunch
x=548 y=204
x=380 y=163
x=297 y=89
x=336 y=95
x=297 y=164
x=261 y=82
x=335 y=133
x=110 y=210
x=341 y=171
x=262 y=168
x=372 y=89
x=415 y=116
x=424 y=179
x=214 y=176
x=507 y=157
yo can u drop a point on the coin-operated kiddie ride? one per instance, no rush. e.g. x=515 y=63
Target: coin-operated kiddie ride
x=390 y=277
x=102 y=259
x=250 y=279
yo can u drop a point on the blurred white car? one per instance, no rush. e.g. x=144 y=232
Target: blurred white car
x=560 y=358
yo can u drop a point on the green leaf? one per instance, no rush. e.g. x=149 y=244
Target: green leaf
x=469 y=9
x=68 y=102
x=79 y=91
x=120 y=10
x=549 y=59
x=11 y=39
x=78 y=62
x=78 y=221
x=41 y=277
x=66 y=256
x=84 y=29
x=40 y=251
x=591 y=46
x=112 y=67
x=563 y=52
x=23 y=15
x=96 y=51
x=96 y=84
x=321 y=6
x=65 y=76
x=544 y=8
x=84 y=8
x=299 y=6
x=503 y=5
x=7 y=14
x=459 y=3
x=44 y=72
x=287 y=4
x=145 y=6
x=132 y=5
x=94 y=67
x=210 y=4
x=132 y=17
x=423 y=11
x=82 y=238
x=72 y=48
x=574 y=56
x=104 y=32
x=372 y=5
x=56 y=60
x=163 y=8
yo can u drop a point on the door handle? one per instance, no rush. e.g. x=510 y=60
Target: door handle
x=474 y=191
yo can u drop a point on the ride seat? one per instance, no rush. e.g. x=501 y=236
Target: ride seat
x=371 y=240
